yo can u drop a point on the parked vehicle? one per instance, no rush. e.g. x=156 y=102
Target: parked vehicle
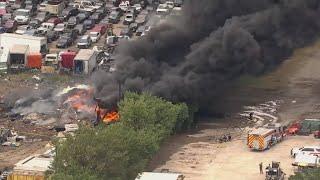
x=34 y=23
x=96 y=17
x=141 y=19
x=80 y=28
x=42 y=16
x=128 y=19
x=43 y=6
x=140 y=30
x=89 y=23
x=72 y=22
x=124 y=5
x=178 y=3
x=84 y=42
x=60 y=27
x=55 y=20
x=22 y=29
x=45 y=27
x=85 y=61
x=54 y=8
x=162 y=10
x=22 y=16
x=266 y=136
x=83 y=8
x=3 y=8
x=137 y=7
x=316 y=134
x=68 y=12
x=95 y=36
x=305 y=161
x=72 y=33
x=32 y=6
x=11 y=26
x=52 y=36
x=170 y=4
x=2 y=30
x=133 y=27
x=64 y=42
x=114 y=17
x=308 y=150
x=83 y=16
x=30 y=32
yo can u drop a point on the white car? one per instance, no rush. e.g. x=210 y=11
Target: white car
x=162 y=9
x=170 y=4
x=22 y=29
x=84 y=42
x=22 y=16
x=124 y=5
x=137 y=7
x=307 y=150
x=43 y=6
x=95 y=36
x=60 y=27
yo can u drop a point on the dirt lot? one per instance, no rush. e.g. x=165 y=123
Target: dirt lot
x=37 y=136
x=199 y=156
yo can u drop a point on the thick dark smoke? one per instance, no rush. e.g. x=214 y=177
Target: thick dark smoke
x=191 y=57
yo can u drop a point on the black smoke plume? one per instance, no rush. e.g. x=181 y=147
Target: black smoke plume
x=191 y=58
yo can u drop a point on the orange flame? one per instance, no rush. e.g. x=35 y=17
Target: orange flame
x=81 y=101
x=111 y=117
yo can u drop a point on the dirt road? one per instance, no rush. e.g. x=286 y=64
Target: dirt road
x=197 y=155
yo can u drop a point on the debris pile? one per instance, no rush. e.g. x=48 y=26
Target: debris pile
x=262 y=113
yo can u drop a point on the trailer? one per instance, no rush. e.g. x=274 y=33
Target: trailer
x=85 y=61
x=8 y=40
x=18 y=57
x=265 y=137
x=55 y=9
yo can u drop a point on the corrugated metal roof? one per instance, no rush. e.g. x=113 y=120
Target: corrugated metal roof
x=84 y=55
x=159 y=176
x=33 y=163
x=19 y=49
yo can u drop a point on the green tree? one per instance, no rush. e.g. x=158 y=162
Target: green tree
x=122 y=150
x=307 y=174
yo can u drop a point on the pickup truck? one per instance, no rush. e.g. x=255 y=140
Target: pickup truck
x=308 y=150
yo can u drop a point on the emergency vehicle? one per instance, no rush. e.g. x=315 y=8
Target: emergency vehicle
x=265 y=137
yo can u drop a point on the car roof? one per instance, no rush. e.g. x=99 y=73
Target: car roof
x=313 y=147
x=84 y=36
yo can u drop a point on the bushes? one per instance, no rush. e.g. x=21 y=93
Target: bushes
x=122 y=150
x=307 y=174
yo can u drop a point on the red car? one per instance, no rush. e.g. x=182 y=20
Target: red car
x=55 y=20
x=100 y=28
x=11 y=26
x=294 y=128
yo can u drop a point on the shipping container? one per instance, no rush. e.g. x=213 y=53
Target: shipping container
x=34 y=60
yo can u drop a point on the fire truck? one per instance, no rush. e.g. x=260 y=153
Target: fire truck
x=264 y=137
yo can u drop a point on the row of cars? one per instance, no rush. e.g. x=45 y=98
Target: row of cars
x=67 y=20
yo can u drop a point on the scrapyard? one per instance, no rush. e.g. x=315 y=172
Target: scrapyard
x=159 y=89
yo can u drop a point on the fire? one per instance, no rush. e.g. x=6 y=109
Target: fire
x=82 y=101
x=111 y=117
